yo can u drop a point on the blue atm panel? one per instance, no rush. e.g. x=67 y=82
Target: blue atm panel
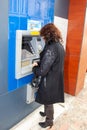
x=21 y=12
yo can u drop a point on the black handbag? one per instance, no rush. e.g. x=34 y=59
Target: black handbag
x=36 y=81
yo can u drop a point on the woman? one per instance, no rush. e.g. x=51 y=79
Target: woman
x=50 y=68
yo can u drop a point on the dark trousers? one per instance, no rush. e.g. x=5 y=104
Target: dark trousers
x=49 y=111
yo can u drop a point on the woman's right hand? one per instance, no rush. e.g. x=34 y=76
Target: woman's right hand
x=34 y=64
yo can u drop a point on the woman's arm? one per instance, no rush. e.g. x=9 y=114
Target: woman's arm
x=46 y=62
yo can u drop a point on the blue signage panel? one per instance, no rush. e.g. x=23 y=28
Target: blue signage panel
x=20 y=12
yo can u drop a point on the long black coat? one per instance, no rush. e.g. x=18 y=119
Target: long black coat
x=51 y=68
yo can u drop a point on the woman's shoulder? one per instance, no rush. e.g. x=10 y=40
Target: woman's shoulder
x=59 y=45
x=54 y=47
x=51 y=46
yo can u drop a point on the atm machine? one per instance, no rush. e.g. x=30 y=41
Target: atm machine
x=28 y=47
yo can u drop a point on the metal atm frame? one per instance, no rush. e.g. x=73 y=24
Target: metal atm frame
x=23 y=67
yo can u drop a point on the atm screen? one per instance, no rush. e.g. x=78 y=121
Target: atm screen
x=31 y=47
x=26 y=44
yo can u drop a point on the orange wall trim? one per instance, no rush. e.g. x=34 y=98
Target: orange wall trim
x=74 y=46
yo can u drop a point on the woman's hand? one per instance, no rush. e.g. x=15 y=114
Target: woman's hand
x=34 y=64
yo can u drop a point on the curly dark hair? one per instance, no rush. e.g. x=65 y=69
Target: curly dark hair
x=51 y=33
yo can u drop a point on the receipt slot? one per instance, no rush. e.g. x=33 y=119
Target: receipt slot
x=28 y=48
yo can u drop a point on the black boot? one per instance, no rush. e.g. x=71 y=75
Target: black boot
x=42 y=114
x=45 y=124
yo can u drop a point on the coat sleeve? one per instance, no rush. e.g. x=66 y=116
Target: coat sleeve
x=46 y=62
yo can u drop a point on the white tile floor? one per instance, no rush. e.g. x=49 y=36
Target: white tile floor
x=63 y=114
x=31 y=121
